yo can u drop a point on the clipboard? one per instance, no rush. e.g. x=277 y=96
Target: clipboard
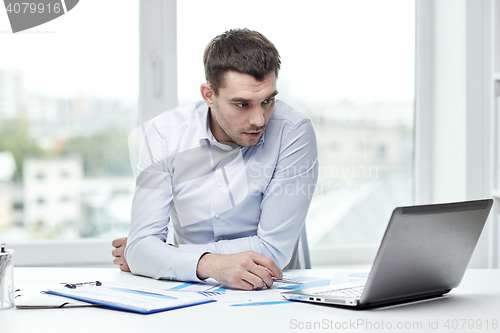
x=129 y=298
x=35 y=297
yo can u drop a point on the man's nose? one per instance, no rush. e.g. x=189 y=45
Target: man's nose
x=257 y=116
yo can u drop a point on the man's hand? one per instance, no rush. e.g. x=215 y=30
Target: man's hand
x=119 y=255
x=245 y=270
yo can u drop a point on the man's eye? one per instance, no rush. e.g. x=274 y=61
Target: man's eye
x=241 y=105
x=267 y=101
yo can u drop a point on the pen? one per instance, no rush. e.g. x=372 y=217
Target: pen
x=285 y=280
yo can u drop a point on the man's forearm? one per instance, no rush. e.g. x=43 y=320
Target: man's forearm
x=150 y=256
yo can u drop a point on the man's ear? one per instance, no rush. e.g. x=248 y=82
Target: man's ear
x=207 y=93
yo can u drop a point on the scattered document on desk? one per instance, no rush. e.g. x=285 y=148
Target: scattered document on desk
x=239 y=298
x=35 y=297
x=231 y=298
x=182 y=294
x=131 y=298
x=207 y=288
x=242 y=298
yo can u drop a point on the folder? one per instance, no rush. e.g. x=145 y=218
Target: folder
x=130 y=298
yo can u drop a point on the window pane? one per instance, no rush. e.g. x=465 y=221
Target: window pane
x=68 y=100
x=349 y=65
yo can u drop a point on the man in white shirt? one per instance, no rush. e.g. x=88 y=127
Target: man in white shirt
x=234 y=173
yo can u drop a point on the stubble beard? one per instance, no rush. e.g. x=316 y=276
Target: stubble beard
x=238 y=142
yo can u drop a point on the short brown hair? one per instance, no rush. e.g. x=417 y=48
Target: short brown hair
x=240 y=50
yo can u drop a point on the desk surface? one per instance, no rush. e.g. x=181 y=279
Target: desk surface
x=476 y=302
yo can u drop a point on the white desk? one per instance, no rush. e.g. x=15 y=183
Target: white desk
x=477 y=299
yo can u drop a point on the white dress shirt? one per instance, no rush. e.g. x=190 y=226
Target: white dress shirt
x=221 y=198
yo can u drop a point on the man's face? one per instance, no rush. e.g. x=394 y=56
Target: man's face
x=242 y=108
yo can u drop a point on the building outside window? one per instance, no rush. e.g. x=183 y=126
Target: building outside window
x=68 y=101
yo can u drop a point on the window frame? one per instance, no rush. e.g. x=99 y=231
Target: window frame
x=453 y=86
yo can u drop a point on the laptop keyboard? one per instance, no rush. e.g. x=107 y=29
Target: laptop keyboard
x=354 y=292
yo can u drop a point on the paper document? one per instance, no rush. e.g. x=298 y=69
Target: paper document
x=131 y=298
x=233 y=298
x=272 y=296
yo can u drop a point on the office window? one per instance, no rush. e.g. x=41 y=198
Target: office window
x=68 y=100
x=349 y=65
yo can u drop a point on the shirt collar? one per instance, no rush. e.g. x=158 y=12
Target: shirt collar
x=205 y=125
x=208 y=137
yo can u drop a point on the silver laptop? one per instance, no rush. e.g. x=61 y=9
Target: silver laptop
x=424 y=253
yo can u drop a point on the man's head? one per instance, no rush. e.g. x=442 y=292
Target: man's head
x=241 y=67
x=242 y=51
